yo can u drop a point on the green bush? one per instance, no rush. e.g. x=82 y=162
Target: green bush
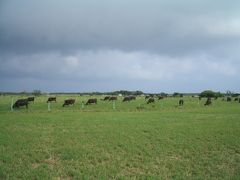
x=211 y=94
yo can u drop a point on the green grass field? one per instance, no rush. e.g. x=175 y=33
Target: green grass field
x=156 y=141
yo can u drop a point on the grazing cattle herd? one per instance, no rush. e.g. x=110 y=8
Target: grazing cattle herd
x=148 y=99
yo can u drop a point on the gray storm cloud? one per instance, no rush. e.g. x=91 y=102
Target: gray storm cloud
x=167 y=28
x=114 y=65
x=149 y=45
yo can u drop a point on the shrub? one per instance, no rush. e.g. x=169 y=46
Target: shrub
x=210 y=94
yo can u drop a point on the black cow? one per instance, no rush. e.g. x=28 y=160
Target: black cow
x=69 y=102
x=30 y=99
x=236 y=99
x=91 y=101
x=133 y=97
x=181 y=102
x=150 y=100
x=21 y=102
x=208 y=102
x=229 y=99
x=160 y=97
x=113 y=98
x=106 y=98
x=149 y=96
x=50 y=99
x=129 y=98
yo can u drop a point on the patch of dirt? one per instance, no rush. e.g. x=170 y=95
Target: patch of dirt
x=52 y=161
x=35 y=165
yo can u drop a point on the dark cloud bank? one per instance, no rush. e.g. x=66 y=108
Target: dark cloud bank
x=110 y=45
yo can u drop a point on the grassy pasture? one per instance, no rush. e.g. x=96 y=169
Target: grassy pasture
x=159 y=140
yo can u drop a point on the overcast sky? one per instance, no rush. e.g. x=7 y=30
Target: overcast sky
x=107 y=45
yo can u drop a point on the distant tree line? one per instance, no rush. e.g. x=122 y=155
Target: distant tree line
x=114 y=93
x=206 y=93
